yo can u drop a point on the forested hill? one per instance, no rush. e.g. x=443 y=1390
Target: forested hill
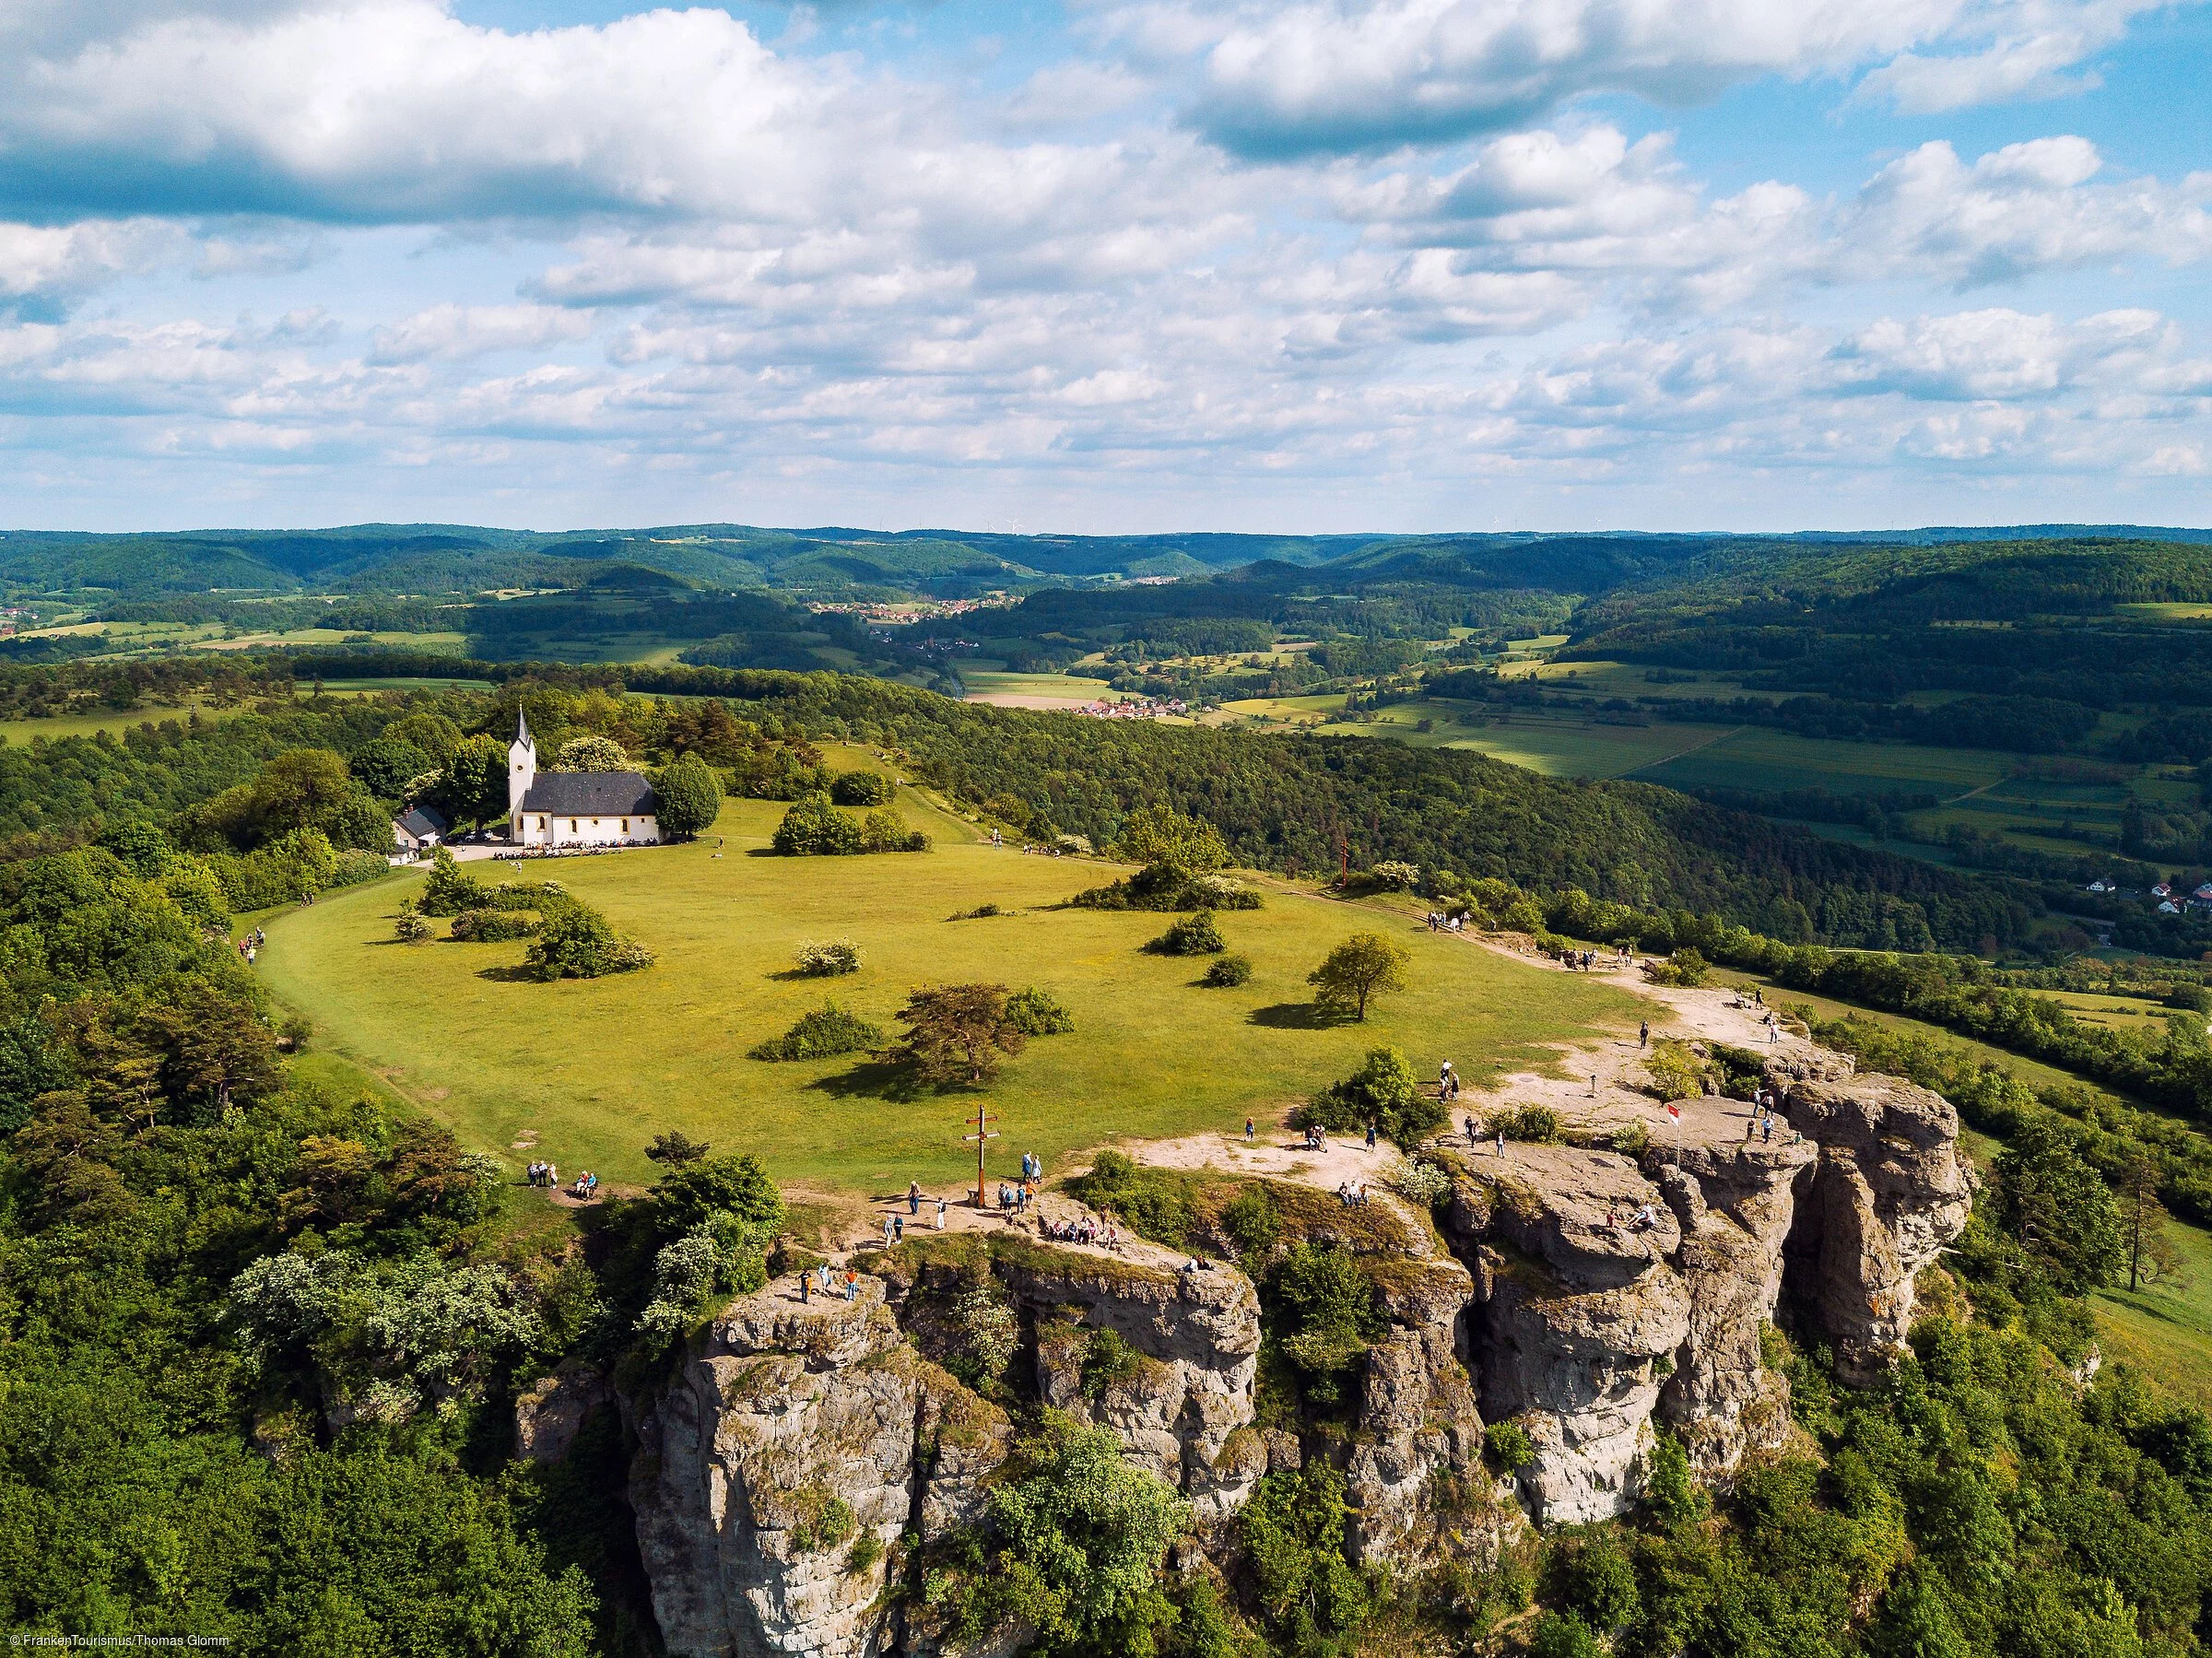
x=1303 y=803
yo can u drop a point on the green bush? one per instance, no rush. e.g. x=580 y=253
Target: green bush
x=1532 y=1125
x=826 y=1032
x=1226 y=972
x=492 y=926
x=1252 y=1221
x=1382 y=1091
x=1157 y=1203
x=353 y=866
x=1036 y=1012
x=1325 y=1316
x=1509 y=1445
x=862 y=789
x=815 y=829
x=1192 y=935
x=574 y=941
x=827 y=959
x=1108 y=1361
x=410 y=928
x=449 y=889
x=887 y=832
x=1293 y=1528
x=1563 y=1635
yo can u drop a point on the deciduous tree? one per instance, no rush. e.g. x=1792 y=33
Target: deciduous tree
x=1355 y=971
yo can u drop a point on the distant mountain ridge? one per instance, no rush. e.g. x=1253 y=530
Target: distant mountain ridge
x=461 y=558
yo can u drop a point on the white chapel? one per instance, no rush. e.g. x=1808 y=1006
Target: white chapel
x=575 y=808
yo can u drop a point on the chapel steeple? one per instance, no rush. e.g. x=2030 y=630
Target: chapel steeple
x=522 y=763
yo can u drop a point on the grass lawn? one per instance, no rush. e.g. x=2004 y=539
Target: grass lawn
x=595 y=1069
x=2165 y=1331
x=1758 y=758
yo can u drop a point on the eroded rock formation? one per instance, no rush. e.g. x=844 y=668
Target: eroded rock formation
x=1590 y=1296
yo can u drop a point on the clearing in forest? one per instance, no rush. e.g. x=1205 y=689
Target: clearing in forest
x=589 y=1071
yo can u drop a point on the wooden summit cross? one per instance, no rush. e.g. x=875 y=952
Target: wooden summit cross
x=981 y=1135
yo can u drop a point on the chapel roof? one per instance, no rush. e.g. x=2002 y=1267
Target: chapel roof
x=589 y=794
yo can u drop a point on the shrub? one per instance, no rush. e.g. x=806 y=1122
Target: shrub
x=1533 y=1124
x=1382 y=1091
x=1293 y=1530
x=1108 y=1361
x=1686 y=967
x=887 y=832
x=1252 y=1222
x=1036 y=1012
x=1192 y=935
x=1392 y=876
x=1159 y=834
x=1325 y=1316
x=410 y=928
x=981 y=913
x=1423 y=1184
x=355 y=866
x=862 y=789
x=989 y=1335
x=492 y=926
x=1225 y=972
x=827 y=959
x=1221 y=892
x=1675 y=1071
x=1168 y=886
x=1563 y=1635
x=815 y=829
x=574 y=941
x=1509 y=1445
x=449 y=889
x=1633 y=1140
x=1157 y=1203
x=826 y=1031
x=592 y=753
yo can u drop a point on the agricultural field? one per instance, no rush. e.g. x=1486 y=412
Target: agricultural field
x=587 y=1071
x=1034 y=690
x=1558 y=744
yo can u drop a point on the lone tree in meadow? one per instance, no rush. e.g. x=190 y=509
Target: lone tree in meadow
x=1360 y=968
x=676 y=1148
x=957 y=1034
x=687 y=798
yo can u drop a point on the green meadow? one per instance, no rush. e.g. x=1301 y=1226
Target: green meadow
x=589 y=1071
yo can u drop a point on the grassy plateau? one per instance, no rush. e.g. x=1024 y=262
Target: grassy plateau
x=591 y=1070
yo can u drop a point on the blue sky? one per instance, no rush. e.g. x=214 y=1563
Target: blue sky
x=1116 y=266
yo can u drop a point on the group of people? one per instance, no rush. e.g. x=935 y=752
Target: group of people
x=819 y=1278
x=1441 y=922
x=250 y=946
x=1101 y=1230
x=1352 y=1195
x=1581 y=961
x=583 y=1188
x=913 y=1203
x=1447 y=1082
x=1474 y=1135
x=1642 y=1221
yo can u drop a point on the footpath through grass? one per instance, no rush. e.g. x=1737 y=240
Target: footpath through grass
x=593 y=1070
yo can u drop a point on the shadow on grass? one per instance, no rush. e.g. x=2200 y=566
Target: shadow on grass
x=1296 y=1015
x=515 y=974
x=875 y=1079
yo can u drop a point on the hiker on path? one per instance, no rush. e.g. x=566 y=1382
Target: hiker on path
x=913 y=1197
x=940 y=1214
x=1370 y=1137
x=1248 y=1130
x=1644 y=1034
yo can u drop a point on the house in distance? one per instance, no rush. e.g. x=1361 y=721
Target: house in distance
x=416 y=830
x=575 y=808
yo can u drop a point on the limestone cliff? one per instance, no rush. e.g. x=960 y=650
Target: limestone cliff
x=1592 y=1295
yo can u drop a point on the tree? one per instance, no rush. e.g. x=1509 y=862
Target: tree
x=815 y=829
x=862 y=789
x=687 y=798
x=956 y=1033
x=1382 y=1091
x=1085 y=1535
x=676 y=1148
x=694 y=1192
x=2150 y=1251
x=1360 y=968
x=1194 y=934
x=1159 y=834
x=388 y=765
x=590 y=753
x=2058 y=1206
x=473 y=789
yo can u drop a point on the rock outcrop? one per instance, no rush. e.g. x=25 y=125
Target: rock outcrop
x=1594 y=1296
x=774 y=1475
x=1888 y=1192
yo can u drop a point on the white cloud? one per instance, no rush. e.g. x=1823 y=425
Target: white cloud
x=453 y=332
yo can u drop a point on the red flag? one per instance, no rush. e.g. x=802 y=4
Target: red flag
x=1674 y=1112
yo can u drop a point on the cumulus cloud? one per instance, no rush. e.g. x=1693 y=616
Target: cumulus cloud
x=455 y=333
x=1339 y=76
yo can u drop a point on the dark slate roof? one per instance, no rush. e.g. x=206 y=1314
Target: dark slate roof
x=419 y=821
x=589 y=794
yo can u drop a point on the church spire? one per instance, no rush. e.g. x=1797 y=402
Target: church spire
x=521 y=730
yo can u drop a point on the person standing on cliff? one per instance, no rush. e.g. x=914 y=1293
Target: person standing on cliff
x=1501 y=1142
x=913 y=1197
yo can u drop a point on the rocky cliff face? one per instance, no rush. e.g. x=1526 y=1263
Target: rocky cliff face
x=1590 y=1296
x=774 y=1476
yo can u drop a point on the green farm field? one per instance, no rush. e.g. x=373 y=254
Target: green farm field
x=589 y=1071
x=1032 y=690
x=1755 y=758
x=1558 y=744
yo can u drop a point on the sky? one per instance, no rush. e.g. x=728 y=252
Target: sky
x=1106 y=266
